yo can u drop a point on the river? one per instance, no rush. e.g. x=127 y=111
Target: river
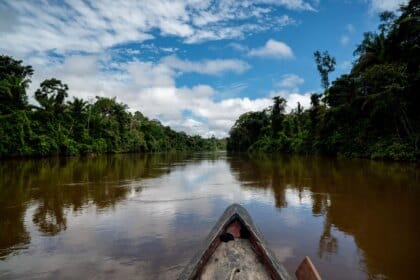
x=144 y=216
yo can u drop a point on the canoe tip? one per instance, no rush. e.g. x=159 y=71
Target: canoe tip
x=307 y=270
x=236 y=208
x=235 y=205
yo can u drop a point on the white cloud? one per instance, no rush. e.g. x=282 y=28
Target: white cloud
x=274 y=49
x=151 y=88
x=148 y=74
x=63 y=28
x=290 y=4
x=169 y=49
x=386 y=5
x=215 y=32
x=212 y=67
x=199 y=187
x=290 y=81
x=77 y=41
x=303 y=99
x=75 y=25
x=189 y=125
x=293 y=98
x=289 y=89
x=215 y=118
x=238 y=47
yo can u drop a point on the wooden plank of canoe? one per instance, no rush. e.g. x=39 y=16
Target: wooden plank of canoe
x=307 y=271
x=234 y=260
x=212 y=241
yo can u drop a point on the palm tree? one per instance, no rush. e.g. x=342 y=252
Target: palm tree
x=372 y=51
x=77 y=106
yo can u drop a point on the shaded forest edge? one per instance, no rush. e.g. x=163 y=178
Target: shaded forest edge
x=56 y=126
x=371 y=112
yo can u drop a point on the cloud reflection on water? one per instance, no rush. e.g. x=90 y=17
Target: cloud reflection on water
x=122 y=216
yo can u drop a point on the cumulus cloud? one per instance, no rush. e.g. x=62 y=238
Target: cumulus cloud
x=149 y=74
x=274 y=49
x=304 y=99
x=293 y=98
x=100 y=48
x=150 y=87
x=386 y=5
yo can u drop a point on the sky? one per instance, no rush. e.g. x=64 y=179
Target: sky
x=195 y=65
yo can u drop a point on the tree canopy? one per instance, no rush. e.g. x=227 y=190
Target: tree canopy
x=57 y=126
x=370 y=112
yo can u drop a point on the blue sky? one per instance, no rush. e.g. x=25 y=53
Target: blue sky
x=194 y=65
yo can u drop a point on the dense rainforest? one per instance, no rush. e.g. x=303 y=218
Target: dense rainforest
x=371 y=112
x=56 y=126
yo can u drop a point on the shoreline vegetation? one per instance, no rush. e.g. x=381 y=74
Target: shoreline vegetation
x=56 y=126
x=371 y=112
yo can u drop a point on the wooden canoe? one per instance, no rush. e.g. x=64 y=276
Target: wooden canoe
x=235 y=249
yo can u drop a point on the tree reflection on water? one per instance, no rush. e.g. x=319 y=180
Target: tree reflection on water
x=376 y=202
x=353 y=217
x=57 y=185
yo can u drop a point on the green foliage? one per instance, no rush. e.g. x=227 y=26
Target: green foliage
x=14 y=79
x=15 y=134
x=371 y=112
x=43 y=145
x=60 y=127
x=51 y=95
x=393 y=149
x=277 y=113
x=325 y=64
x=247 y=130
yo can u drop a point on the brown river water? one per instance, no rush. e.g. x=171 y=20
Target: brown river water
x=144 y=216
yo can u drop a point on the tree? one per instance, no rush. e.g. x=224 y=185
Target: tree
x=14 y=80
x=325 y=64
x=315 y=113
x=79 y=117
x=10 y=67
x=51 y=95
x=247 y=130
x=277 y=114
x=342 y=92
x=15 y=130
x=12 y=94
x=370 y=112
x=371 y=51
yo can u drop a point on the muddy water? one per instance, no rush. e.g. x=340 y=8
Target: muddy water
x=143 y=217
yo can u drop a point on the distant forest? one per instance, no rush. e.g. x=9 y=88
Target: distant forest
x=57 y=126
x=371 y=112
